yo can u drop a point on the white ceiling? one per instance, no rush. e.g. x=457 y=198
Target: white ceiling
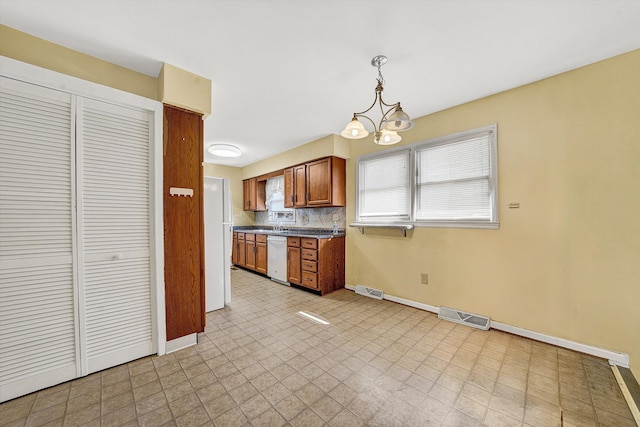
x=288 y=72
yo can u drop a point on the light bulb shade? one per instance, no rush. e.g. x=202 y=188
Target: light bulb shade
x=354 y=130
x=224 y=150
x=386 y=137
x=398 y=121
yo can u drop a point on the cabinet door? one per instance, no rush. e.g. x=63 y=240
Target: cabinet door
x=242 y=253
x=113 y=146
x=246 y=193
x=261 y=258
x=300 y=186
x=293 y=265
x=319 y=182
x=253 y=194
x=250 y=257
x=288 y=188
x=38 y=324
x=234 y=249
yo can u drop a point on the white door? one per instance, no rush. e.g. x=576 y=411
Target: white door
x=38 y=324
x=114 y=233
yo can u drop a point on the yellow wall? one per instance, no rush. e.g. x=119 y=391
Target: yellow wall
x=184 y=89
x=567 y=262
x=33 y=50
x=240 y=217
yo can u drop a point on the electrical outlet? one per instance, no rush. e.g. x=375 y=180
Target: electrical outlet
x=424 y=278
x=336 y=217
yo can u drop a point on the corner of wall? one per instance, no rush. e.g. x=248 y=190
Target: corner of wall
x=183 y=89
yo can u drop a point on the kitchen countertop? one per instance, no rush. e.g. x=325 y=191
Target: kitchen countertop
x=318 y=233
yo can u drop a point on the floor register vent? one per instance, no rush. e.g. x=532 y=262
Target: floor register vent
x=473 y=320
x=369 y=292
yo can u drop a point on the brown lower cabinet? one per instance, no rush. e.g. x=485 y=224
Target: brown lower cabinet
x=317 y=264
x=314 y=263
x=249 y=250
x=261 y=253
x=293 y=260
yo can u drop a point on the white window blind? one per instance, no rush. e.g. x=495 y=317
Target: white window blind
x=449 y=181
x=384 y=186
x=454 y=180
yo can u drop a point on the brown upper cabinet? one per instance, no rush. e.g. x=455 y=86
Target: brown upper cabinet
x=289 y=198
x=299 y=190
x=254 y=194
x=320 y=183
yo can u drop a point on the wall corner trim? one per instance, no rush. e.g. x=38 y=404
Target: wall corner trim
x=182 y=342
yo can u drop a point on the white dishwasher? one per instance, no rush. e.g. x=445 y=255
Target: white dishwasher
x=277 y=259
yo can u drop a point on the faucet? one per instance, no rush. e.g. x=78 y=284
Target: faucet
x=278 y=227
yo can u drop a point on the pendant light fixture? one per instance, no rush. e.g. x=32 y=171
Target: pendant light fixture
x=386 y=131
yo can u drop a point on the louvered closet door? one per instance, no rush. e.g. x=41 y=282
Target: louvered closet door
x=115 y=270
x=38 y=325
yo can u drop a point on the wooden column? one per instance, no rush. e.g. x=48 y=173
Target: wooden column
x=183 y=223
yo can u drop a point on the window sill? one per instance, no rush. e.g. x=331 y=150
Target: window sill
x=402 y=227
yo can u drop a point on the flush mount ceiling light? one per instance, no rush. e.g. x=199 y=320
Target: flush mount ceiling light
x=224 y=150
x=386 y=132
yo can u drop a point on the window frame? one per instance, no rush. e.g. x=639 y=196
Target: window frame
x=380 y=155
x=492 y=223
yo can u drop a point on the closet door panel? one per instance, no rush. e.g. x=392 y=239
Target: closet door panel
x=114 y=210
x=38 y=322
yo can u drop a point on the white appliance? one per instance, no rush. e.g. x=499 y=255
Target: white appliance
x=218 y=235
x=277 y=259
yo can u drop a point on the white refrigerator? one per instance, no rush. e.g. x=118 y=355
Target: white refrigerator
x=218 y=235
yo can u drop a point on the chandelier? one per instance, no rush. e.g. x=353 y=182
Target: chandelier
x=386 y=131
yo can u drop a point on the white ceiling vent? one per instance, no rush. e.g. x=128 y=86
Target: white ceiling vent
x=473 y=320
x=369 y=292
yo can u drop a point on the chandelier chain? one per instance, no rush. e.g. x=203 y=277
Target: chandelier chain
x=380 y=78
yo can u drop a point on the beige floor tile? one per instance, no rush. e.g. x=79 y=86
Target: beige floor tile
x=231 y=418
x=290 y=407
x=255 y=406
x=119 y=417
x=184 y=404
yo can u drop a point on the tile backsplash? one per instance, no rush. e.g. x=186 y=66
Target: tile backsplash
x=311 y=217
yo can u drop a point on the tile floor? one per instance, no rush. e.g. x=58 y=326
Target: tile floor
x=377 y=364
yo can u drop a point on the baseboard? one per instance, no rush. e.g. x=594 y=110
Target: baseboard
x=614 y=358
x=180 y=343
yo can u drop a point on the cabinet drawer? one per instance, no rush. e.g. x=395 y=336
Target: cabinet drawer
x=310 y=254
x=293 y=241
x=309 y=243
x=310 y=266
x=240 y=236
x=310 y=279
x=261 y=238
x=249 y=236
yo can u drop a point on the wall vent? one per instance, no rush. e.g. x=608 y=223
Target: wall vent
x=473 y=320
x=369 y=292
